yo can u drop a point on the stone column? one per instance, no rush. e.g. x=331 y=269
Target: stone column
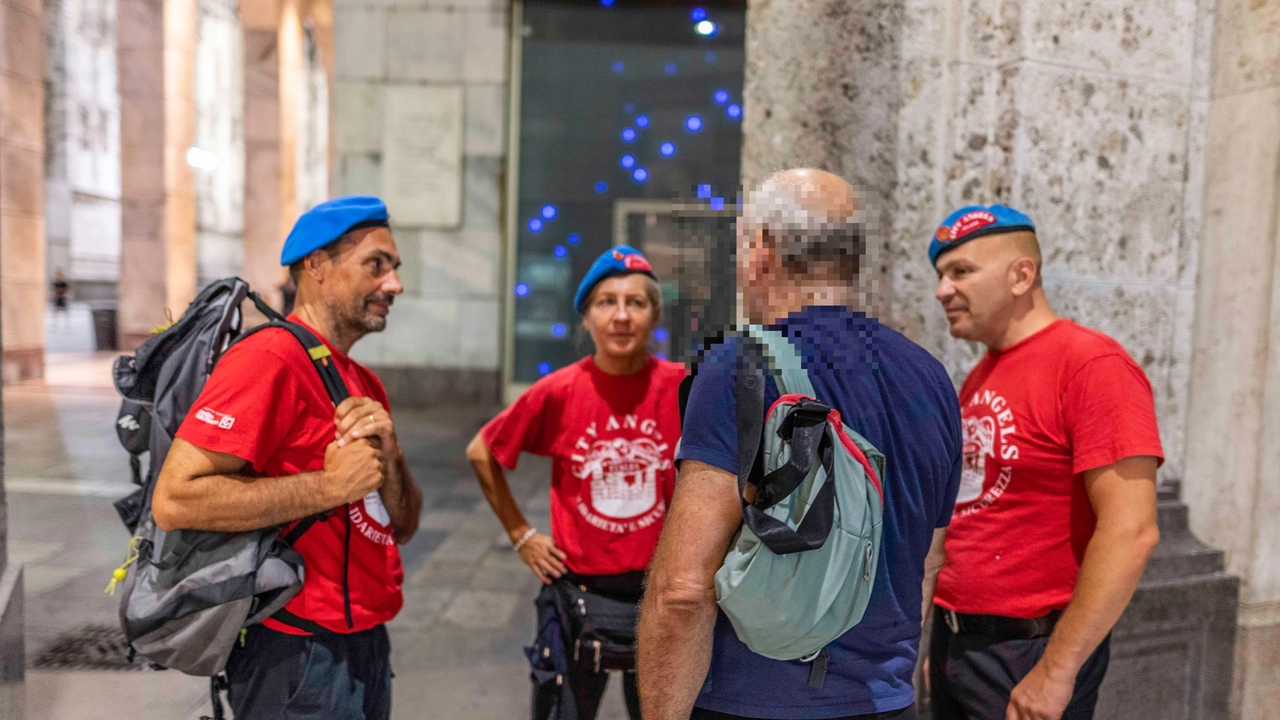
x=22 y=296
x=157 y=40
x=262 y=162
x=1233 y=434
x=1092 y=120
x=22 y=251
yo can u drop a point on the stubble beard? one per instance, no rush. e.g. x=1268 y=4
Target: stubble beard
x=356 y=319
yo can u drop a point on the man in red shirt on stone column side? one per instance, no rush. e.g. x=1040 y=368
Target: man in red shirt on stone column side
x=1056 y=513
x=265 y=446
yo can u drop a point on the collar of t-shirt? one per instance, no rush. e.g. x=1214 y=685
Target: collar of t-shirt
x=1043 y=332
x=609 y=381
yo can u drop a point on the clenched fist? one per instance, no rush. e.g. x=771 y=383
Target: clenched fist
x=354 y=469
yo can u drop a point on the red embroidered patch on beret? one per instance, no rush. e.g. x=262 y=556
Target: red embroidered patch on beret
x=970 y=222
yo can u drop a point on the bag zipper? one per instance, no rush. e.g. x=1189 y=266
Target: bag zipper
x=346 y=574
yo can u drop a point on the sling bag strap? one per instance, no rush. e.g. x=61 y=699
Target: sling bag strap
x=805 y=431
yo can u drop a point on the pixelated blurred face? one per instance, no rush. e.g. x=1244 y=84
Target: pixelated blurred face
x=753 y=257
x=620 y=315
x=975 y=287
x=363 y=280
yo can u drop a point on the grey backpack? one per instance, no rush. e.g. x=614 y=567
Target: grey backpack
x=801 y=570
x=187 y=594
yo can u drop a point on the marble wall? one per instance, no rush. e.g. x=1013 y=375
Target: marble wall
x=439 y=66
x=82 y=146
x=1088 y=116
x=22 y=251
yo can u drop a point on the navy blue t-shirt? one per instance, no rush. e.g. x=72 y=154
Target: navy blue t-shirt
x=897 y=396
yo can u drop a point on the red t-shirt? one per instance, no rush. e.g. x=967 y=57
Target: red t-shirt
x=612 y=442
x=1036 y=416
x=265 y=403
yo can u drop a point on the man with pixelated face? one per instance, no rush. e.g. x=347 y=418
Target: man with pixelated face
x=1056 y=515
x=801 y=238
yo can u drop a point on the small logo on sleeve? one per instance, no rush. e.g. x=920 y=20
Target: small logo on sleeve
x=213 y=417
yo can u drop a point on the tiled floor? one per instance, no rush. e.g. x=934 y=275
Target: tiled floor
x=468 y=599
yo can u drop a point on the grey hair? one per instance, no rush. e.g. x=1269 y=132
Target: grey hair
x=800 y=235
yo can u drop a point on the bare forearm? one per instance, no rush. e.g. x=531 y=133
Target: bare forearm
x=233 y=503
x=493 y=483
x=933 y=563
x=674 y=653
x=1109 y=574
x=403 y=500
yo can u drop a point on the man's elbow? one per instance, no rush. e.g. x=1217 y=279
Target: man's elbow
x=680 y=596
x=166 y=510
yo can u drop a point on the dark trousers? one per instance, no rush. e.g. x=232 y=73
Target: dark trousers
x=325 y=676
x=906 y=713
x=588 y=689
x=971 y=676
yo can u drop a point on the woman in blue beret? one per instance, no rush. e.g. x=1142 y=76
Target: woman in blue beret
x=610 y=423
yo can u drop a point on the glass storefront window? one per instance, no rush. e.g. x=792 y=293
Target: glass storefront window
x=629 y=132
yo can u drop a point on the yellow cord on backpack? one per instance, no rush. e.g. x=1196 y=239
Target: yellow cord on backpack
x=168 y=315
x=119 y=574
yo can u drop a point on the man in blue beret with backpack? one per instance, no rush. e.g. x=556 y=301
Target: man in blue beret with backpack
x=264 y=446
x=817 y=439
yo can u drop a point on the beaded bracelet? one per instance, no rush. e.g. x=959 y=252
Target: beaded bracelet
x=524 y=539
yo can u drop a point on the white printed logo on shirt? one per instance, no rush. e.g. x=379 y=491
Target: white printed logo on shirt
x=213 y=417
x=623 y=494
x=370 y=518
x=988 y=428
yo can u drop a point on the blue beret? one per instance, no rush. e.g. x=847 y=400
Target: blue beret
x=975 y=221
x=329 y=221
x=621 y=260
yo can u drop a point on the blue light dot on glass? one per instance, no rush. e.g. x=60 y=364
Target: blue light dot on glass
x=602 y=186
x=704 y=191
x=522 y=289
x=606 y=3
x=561 y=251
x=618 y=66
x=670 y=68
x=573 y=238
x=640 y=174
x=694 y=123
x=628 y=161
x=629 y=108
x=717 y=203
x=628 y=135
x=722 y=96
x=559 y=330
x=698 y=14
x=544 y=368
x=548 y=211
x=667 y=149
x=660 y=334
x=642 y=121
x=733 y=111
x=660 y=356
x=709 y=56
x=535 y=225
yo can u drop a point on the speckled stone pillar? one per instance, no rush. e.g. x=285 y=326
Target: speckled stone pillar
x=1090 y=117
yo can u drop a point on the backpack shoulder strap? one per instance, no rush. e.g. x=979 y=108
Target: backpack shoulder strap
x=316 y=350
x=784 y=356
